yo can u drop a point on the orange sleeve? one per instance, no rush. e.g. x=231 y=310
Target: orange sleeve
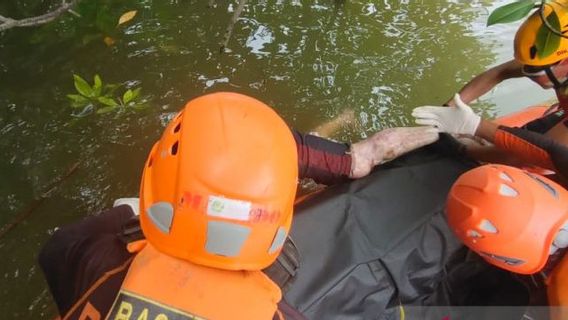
x=523 y=149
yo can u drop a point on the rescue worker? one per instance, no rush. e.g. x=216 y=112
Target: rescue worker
x=528 y=146
x=216 y=203
x=513 y=218
x=537 y=144
x=517 y=221
x=549 y=72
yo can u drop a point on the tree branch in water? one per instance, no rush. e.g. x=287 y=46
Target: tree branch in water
x=8 y=23
x=231 y=25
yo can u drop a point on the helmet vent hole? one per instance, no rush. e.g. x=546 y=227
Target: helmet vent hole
x=488 y=227
x=150 y=162
x=176 y=129
x=505 y=177
x=533 y=52
x=474 y=234
x=175 y=148
x=507 y=191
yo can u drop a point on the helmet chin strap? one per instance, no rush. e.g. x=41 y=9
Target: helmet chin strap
x=557 y=84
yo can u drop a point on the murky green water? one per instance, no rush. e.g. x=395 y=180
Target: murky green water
x=311 y=60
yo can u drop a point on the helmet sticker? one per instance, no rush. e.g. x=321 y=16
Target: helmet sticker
x=162 y=214
x=278 y=241
x=228 y=208
x=226 y=239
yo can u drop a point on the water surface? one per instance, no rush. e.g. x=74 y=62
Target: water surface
x=311 y=60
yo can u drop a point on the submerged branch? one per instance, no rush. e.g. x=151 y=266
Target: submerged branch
x=231 y=25
x=51 y=188
x=8 y=23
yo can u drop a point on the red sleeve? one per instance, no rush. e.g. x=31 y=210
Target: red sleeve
x=323 y=160
x=534 y=148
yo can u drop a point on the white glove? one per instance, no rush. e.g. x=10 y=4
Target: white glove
x=387 y=145
x=459 y=119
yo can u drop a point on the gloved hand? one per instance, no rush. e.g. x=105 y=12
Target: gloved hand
x=387 y=145
x=459 y=119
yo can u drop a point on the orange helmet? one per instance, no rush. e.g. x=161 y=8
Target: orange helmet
x=218 y=188
x=526 y=51
x=510 y=217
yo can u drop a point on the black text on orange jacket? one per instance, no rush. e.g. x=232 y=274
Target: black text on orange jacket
x=158 y=286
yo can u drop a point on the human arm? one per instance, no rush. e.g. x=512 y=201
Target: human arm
x=530 y=147
x=329 y=162
x=516 y=145
x=323 y=160
x=487 y=80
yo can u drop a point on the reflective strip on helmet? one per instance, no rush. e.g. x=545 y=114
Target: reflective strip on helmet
x=162 y=214
x=506 y=260
x=278 y=241
x=548 y=187
x=225 y=238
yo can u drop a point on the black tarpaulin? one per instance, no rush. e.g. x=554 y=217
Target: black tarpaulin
x=369 y=246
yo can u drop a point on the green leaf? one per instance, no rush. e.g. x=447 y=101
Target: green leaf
x=547 y=42
x=105 y=110
x=136 y=93
x=511 y=12
x=82 y=86
x=77 y=98
x=107 y=101
x=127 y=97
x=98 y=86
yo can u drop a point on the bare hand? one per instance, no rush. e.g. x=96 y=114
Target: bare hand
x=387 y=145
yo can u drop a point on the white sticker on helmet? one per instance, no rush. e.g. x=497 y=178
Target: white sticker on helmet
x=507 y=191
x=228 y=208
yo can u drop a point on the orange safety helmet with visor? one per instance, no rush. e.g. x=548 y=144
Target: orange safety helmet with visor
x=548 y=70
x=512 y=218
x=218 y=188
